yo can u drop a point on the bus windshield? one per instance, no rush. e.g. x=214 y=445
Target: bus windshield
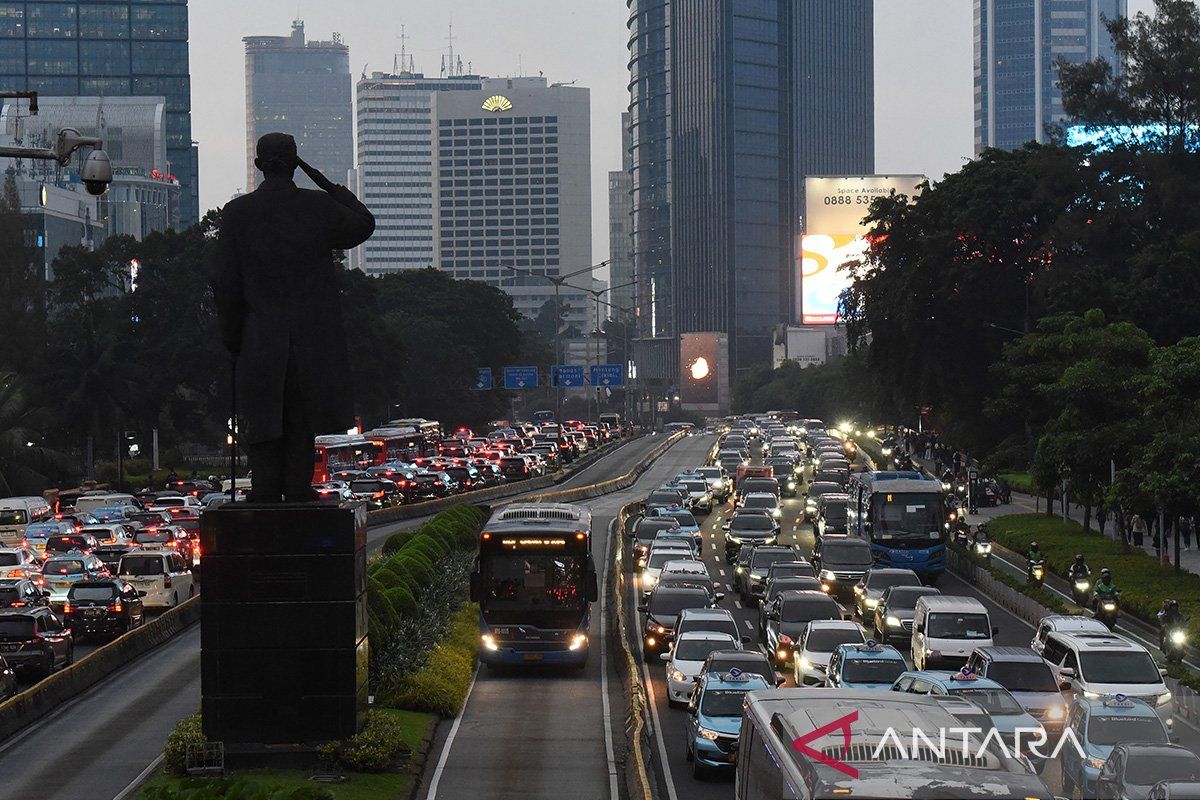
x=523 y=586
x=906 y=520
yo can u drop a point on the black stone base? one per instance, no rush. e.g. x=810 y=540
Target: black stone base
x=283 y=628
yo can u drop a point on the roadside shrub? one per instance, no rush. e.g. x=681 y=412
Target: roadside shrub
x=187 y=732
x=374 y=749
x=234 y=790
x=441 y=685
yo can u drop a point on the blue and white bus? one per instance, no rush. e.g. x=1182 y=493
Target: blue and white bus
x=902 y=515
x=535 y=581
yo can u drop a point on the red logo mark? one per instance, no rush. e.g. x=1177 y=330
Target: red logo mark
x=842 y=724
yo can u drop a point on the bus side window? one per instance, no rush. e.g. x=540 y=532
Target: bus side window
x=765 y=781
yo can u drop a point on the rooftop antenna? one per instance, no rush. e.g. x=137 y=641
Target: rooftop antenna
x=450 y=50
x=400 y=63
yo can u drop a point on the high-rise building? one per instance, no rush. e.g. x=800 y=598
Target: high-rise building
x=620 y=209
x=756 y=104
x=1017 y=43
x=113 y=48
x=302 y=88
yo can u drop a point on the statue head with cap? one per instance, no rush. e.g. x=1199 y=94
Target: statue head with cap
x=276 y=155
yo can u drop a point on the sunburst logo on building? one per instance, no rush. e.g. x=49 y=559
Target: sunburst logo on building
x=497 y=103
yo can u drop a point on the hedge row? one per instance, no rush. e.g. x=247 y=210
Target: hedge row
x=1144 y=583
x=408 y=564
x=441 y=685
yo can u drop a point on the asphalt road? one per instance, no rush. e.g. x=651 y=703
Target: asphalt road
x=99 y=742
x=674 y=772
x=529 y=735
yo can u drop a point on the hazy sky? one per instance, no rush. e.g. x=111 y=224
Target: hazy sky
x=923 y=66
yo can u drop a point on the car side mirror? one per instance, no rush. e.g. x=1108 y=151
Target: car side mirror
x=664 y=657
x=1067 y=672
x=1162 y=672
x=725 y=526
x=643 y=608
x=720 y=596
x=747 y=640
x=141 y=594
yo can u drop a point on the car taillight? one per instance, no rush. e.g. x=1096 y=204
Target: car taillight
x=20 y=604
x=68 y=608
x=166 y=581
x=16 y=573
x=117 y=607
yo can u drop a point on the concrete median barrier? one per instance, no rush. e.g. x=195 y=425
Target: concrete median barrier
x=39 y=700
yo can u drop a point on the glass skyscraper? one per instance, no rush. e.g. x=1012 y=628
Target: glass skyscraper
x=1017 y=43
x=114 y=48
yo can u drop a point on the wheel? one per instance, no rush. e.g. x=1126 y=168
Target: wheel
x=47 y=665
x=699 y=771
x=191 y=591
x=687 y=754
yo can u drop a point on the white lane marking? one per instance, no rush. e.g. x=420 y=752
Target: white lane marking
x=136 y=782
x=609 y=751
x=721 y=571
x=658 y=731
x=748 y=625
x=445 y=756
x=737 y=603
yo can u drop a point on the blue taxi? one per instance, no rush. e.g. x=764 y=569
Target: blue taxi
x=714 y=719
x=1099 y=724
x=687 y=522
x=864 y=666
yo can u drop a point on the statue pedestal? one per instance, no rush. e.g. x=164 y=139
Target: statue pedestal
x=283 y=628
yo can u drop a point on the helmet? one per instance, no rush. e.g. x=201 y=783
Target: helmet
x=1033 y=546
x=1105 y=573
x=1172 y=605
x=1079 y=558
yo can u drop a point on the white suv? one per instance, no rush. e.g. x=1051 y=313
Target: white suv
x=161 y=577
x=1103 y=664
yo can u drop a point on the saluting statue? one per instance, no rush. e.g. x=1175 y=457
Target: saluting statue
x=277 y=301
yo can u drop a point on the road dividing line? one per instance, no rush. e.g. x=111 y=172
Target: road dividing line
x=737 y=603
x=445 y=756
x=664 y=761
x=143 y=775
x=609 y=752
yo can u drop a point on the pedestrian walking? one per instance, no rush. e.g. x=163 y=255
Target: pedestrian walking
x=1185 y=532
x=1138 y=526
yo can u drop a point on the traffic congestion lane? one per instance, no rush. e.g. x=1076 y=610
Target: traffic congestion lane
x=94 y=745
x=149 y=699
x=530 y=734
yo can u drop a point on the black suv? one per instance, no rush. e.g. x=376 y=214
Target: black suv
x=22 y=593
x=35 y=640
x=103 y=608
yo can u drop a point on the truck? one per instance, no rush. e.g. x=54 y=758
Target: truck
x=747 y=471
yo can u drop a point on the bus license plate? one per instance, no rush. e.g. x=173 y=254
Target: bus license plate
x=533 y=656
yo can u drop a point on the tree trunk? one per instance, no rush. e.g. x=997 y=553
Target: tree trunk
x=1050 y=503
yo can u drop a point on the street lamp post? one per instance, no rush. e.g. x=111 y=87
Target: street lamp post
x=624 y=329
x=596 y=294
x=557 y=281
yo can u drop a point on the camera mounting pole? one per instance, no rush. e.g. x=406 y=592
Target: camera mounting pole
x=69 y=140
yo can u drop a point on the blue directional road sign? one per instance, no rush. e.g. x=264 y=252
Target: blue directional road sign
x=567 y=376
x=520 y=377
x=608 y=375
x=483 y=379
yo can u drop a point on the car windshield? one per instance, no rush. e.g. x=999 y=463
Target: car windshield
x=366 y=487
x=959 y=626
x=16 y=627
x=13 y=516
x=762 y=501
x=1023 y=676
x=763 y=559
x=714 y=624
x=906 y=598
x=809 y=609
x=684 y=518
x=1114 y=666
x=695 y=486
x=854 y=553
x=711 y=473
x=834 y=512
x=152 y=537
x=9 y=594
x=93 y=593
x=882 y=580
x=669 y=604
x=1145 y=770
x=663 y=498
x=874 y=670
x=142 y=565
x=993 y=701
x=751 y=522
x=1113 y=729
x=72 y=566
x=824 y=640
x=722 y=703
x=660 y=557
x=698 y=649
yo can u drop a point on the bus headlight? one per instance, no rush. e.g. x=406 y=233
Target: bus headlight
x=489 y=642
x=578 y=641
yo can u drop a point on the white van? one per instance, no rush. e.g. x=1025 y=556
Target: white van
x=947 y=629
x=15 y=515
x=1103 y=664
x=90 y=502
x=162 y=577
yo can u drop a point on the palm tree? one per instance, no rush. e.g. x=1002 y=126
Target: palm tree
x=25 y=465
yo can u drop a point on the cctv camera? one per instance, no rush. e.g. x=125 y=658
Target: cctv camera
x=96 y=173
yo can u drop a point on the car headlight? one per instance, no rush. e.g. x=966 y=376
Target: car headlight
x=870 y=602
x=791 y=484
x=1178 y=637
x=578 y=641
x=732 y=539
x=705 y=733
x=805 y=664
x=775 y=512
x=893 y=622
x=756 y=576
x=489 y=642
x=1056 y=712
x=678 y=676
x=1164 y=698
x=1091 y=695
x=1094 y=763
x=648 y=579
x=739 y=570
x=826 y=575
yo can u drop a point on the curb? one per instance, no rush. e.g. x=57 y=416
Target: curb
x=420 y=756
x=39 y=700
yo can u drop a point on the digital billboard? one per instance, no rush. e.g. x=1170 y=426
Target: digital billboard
x=703 y=359
x=834 y=236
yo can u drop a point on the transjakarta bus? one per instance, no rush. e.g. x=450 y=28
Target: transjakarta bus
x=901 y=515
x=535 y=581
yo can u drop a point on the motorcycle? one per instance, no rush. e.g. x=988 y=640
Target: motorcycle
x=1106 y=611
x=1081 y=587
x=1171 y=641
x=1036 y=572
x=983 y=548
